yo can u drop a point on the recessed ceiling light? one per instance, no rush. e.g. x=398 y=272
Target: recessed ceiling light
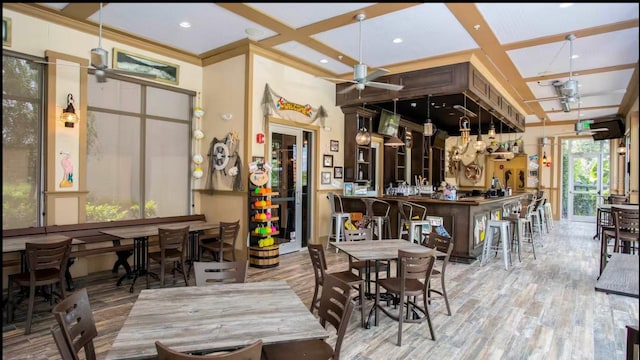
x=185 y=24
x=413 y=104
x=575 y=56
x=324 y=61
x=565 y=5
x=397 y=40
x=253 y=32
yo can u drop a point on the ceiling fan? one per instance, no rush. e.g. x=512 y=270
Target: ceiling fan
x=567 y=91
x=583 y=127
x=100 y=60
x=360 y=77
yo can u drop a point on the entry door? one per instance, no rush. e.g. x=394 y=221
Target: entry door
x=585 y=186
x=291 y=162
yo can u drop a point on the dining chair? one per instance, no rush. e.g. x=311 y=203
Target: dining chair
x=252 y=351
x=61 y=343
x=411 y=283
x=225 y=243
x=173 y=248
x=76 y=326
x=626 y=225
x=336 y=308
x=319 y=263
x=445 y=245
x=214 y=272
x=364 y=267
x=46 y=264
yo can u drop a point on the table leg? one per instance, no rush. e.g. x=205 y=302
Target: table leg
x=140 y=261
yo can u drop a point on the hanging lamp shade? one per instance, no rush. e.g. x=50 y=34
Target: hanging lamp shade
x=492 y=131
x=363 y=137
x=622 y=148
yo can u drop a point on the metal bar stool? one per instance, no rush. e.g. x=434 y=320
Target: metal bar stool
x=500 y=227
x=338 y=218
x=410 y=217
x=377 y=212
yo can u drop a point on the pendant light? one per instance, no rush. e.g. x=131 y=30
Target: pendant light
x=394 y=141
x=463 y=122
x=622 y=148
x=362 y=137
x=69 y=116
x=500 y=151
x=429 y=127
x=480 y=145
x=492 y=130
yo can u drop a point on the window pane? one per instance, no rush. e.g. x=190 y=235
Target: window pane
x=169 y=104
x=21 y=142
x=167 y=167
x=113 y=167
x=116 y=95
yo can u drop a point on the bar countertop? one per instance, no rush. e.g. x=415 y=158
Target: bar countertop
x=471 y=201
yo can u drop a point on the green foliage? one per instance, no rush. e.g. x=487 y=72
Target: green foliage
x=18 y=206
x=112 y=211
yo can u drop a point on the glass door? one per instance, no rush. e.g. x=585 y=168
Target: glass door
x=587 y=175
x=291 y=162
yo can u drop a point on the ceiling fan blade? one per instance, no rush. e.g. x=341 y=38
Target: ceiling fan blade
x=379 y=85
x=336 y=79
x=376 y=74
x=544 y=99
x=347 y=89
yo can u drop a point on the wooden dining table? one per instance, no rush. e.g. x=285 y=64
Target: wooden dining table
x=16 y=244
x=140 y=235
x=214 y=318
x=379 y=250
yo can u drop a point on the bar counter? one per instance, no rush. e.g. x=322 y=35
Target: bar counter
x=464 y=219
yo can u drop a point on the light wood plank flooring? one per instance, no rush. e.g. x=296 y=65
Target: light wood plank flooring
x=540 y=309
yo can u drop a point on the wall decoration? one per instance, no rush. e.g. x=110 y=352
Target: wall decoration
x=274 y=104
x=327 y=160
x=162 y=70
x=337 y=172
x=225 y=164
x=325 y=177
x=334 y=146
x=6 y=31
x=347 y=189
x=479 y=228
x=198 y=135
x=67 y=166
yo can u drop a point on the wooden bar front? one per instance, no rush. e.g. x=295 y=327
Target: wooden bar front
x=464 y=219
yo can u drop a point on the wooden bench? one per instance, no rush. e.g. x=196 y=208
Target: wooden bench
x=90 y=234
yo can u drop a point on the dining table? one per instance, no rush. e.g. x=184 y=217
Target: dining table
x=15 y=244
x=140 y=235
x=213 y=318
x=377 y=251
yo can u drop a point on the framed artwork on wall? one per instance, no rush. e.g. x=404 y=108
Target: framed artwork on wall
x=6 y=31
x=337 y=172
x=162 y=70
x=327 y=160
x=325 y=177
x=334 y=145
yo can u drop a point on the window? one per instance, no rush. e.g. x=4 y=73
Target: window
x=138 y=150
x=22 y=128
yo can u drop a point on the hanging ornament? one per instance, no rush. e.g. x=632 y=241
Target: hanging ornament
x=198 y=134
x=197 y=173
x=198 y=112
x=198 y=159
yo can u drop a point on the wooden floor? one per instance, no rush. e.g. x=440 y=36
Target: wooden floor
x=540 y=309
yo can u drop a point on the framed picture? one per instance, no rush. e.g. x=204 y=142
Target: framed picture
x=347 y=189
x=334 y=145
x=162 y=70
x=325 y=177
x=258 y=160
x=6 y=31
x=327 y=160
x=337 y=172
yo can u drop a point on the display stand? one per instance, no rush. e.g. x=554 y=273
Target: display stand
x=264 y=221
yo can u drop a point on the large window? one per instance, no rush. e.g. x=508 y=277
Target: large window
x=138 y=150
x=22 y=123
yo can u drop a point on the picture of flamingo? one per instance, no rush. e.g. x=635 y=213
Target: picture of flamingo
x=67 y=166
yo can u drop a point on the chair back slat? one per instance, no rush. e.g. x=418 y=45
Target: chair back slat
x=173 y=238
x=316 y=253
x=625 y=219
x=336 y=307
x=250 y=352
x=208 y=273
x=415 y=265
x=358 y=234
x=229 y=231
x=48 y=256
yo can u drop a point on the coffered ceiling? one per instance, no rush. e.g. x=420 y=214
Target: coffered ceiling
x=523 y=45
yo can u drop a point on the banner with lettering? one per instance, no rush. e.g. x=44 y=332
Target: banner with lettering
x=276 y=105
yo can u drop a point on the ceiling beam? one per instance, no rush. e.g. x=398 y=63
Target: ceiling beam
x=81 y=11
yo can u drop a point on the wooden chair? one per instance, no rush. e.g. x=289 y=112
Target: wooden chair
x=173 y=248
x=61 y=343
x=213 y=272
x=226 y=241
x=316 y=252
x=250 y=352
x=363 y=267
x=76 y=325
x=336 y=307
x=47 y=264
x=377 y=212
x=443 y=244
x=412 y=282
x=626 y=223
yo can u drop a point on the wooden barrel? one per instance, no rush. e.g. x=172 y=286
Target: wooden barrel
x=264 y=257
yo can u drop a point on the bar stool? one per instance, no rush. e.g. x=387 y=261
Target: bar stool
x=524 y=229
x=536 y=217
x=548 y=213
x=501 y=227
x=511 y=212
x=338 y=218
x=411 y=216
x=377 y=212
